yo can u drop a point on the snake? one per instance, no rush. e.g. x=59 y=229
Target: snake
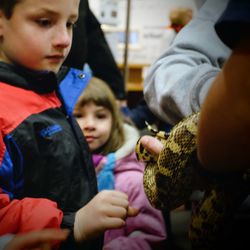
x=171 y=178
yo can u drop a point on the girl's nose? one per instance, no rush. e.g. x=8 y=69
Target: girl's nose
x=88 y=124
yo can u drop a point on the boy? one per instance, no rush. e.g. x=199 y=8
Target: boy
x=46 y=174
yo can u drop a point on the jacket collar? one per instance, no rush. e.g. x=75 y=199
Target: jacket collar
x=41 y=82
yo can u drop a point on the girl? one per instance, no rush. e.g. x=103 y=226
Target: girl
x=112 y=144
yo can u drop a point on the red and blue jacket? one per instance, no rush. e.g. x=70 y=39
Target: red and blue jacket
x=46 y=171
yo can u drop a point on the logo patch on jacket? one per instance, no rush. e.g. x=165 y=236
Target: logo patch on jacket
x=51 y=130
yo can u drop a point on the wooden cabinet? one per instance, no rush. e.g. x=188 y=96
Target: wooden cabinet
x=135 y=77
x=134 y=85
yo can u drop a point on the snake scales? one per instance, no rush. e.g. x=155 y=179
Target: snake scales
x=170 y=180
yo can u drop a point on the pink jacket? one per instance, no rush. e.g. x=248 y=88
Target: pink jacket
x=146 y=230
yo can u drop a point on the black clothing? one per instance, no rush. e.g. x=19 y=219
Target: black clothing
x=43 y=151
x=234 y=22
x=90 y=46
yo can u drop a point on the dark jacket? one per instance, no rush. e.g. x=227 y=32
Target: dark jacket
x=46 y=172
x=90 y=46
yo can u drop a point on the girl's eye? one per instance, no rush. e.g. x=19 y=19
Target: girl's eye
x=77 y=115
x=101 y=116
x=44 y=22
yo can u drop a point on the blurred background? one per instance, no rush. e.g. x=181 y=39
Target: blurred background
x=138 y=32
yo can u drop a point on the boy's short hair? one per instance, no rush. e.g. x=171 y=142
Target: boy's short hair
x=7 y=7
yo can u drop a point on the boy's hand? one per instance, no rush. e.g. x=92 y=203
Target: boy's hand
x=107 y=210
x=39 y=240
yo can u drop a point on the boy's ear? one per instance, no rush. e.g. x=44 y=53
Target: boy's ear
x=2 y=16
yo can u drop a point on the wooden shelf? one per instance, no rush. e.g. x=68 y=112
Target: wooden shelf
x=134 y=66
x=135 y=77
x=131 y=86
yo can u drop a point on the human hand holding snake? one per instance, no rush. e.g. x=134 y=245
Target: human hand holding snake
x=173 y=172
x=152 y=145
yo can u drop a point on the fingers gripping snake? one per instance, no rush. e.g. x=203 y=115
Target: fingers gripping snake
x=170 y=180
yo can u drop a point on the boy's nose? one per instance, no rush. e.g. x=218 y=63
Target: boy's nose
x=63 y=37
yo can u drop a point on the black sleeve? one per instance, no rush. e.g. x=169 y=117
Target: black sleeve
x=234 y=22
x=140 y=114
x=90 y=46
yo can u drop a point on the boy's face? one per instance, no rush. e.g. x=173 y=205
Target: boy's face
x=39 y=33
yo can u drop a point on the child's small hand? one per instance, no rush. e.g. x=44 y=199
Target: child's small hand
x=107 y=210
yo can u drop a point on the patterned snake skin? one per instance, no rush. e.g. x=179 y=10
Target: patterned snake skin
x=170 y=180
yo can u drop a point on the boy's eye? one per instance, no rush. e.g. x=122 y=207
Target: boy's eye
x=44 y=22
x=71 y=25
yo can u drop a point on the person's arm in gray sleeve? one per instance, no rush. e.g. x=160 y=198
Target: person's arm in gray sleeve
x=178 y=81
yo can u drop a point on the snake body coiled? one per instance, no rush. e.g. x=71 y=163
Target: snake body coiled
x=170 y=180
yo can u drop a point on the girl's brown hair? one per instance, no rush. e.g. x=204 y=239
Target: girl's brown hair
x=99 y=93
x=7 y=7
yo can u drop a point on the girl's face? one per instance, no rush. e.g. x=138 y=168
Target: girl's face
x=39 y=33
x=96 y=124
